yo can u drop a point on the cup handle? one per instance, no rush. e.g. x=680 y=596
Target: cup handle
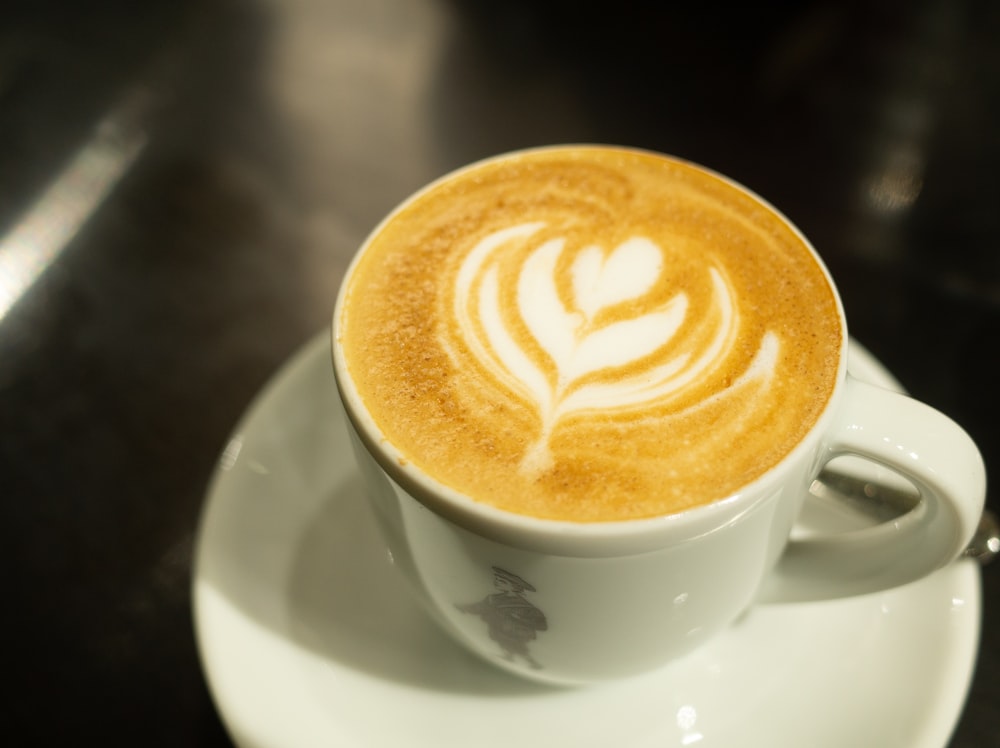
x=922 y=445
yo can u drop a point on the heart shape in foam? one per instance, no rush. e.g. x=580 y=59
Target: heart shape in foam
x=626 y=273
x=599 y=281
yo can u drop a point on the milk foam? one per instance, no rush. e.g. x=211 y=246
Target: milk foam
x=591 y=334
x=575 y=343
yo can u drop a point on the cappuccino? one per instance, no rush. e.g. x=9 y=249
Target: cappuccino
x=590 y=334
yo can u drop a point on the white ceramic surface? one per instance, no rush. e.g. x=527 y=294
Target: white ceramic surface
x=309 y=637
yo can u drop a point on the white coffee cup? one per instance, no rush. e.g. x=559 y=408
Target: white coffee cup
x=576 y=602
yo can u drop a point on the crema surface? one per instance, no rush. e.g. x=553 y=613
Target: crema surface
x=590 y=334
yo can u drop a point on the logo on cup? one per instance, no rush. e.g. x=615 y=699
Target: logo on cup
x=511 y=619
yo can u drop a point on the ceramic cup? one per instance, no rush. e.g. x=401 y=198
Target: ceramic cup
x=575 y=602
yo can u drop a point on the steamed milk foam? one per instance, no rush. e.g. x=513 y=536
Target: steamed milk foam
x=590 y=333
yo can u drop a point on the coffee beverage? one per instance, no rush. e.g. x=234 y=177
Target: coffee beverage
x=590 y=334
x=586 y=383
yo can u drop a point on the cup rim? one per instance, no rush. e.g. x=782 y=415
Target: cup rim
x=565 y=537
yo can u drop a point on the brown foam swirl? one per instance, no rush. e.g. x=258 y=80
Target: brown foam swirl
x=591 y=334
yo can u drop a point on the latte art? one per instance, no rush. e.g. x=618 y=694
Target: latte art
x=608 y=365
x=590 y=334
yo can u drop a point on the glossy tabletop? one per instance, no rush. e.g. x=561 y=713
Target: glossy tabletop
x=183 y=183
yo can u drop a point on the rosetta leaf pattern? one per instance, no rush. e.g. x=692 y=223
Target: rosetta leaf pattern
x=577 y=341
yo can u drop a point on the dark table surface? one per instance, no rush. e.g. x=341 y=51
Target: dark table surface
x=182 y=184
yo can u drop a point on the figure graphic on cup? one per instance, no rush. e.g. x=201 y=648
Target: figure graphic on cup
x=511 y=619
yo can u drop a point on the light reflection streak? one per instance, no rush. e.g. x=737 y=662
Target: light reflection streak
x=48 y=226
x=687 y=716
x=231 y=453
x=895 y=184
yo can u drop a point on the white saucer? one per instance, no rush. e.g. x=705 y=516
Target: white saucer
x=309 y=638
